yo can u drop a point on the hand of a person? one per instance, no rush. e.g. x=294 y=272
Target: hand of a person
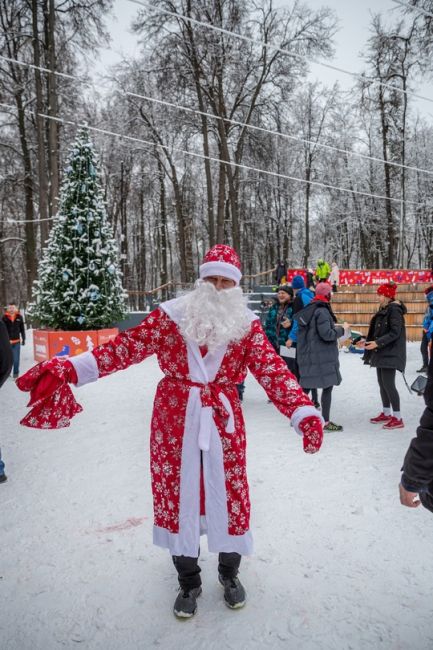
x=371 y=345
x=312 y=433
x=289 y=343
x=346 y=325
x=409 y=499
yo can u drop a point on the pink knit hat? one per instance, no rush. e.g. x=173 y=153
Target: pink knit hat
x=323 y=289
x=221 y=260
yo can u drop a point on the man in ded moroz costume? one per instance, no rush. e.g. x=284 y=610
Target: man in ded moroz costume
x=205 y=342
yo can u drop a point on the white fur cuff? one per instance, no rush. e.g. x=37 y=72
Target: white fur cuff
x=86 y=368
x=301 y=413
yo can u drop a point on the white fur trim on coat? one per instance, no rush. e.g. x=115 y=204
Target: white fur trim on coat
x=301 y=413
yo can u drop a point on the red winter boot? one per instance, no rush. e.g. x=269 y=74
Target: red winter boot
x=394 y=423
x=381 y=418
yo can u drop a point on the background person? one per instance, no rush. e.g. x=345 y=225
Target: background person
x=5 y=368
x=322 y=271
x=17 y=334
x=427 y=326
x=334 y=277
x=317 y=349
x=417 y=477
x=385 y=350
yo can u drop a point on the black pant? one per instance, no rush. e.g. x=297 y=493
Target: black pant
x=388 y=392
x=326 y=402
x=188 y=569
x=424 y=349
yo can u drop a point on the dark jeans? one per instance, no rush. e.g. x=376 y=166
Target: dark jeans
x=388 y=392
x=16 y=347
x=188 y=569
x=424 y=349
x=241 y=390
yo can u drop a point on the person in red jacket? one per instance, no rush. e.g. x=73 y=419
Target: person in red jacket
x=17 y=334
x=205 y=342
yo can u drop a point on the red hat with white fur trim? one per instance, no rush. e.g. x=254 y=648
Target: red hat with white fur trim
x=221 y=260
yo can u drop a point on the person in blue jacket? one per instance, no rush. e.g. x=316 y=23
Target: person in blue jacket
x=427 y=326
x=303 y=297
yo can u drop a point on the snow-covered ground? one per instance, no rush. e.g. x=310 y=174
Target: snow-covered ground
x=339 y=562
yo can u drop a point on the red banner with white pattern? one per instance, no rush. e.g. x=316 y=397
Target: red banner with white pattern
x=377 y=276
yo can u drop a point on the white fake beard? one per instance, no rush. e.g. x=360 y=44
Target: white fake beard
x=212 y=318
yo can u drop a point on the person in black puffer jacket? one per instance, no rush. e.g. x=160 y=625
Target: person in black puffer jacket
x=417 y=477
x=317 y=349
x=385 y=350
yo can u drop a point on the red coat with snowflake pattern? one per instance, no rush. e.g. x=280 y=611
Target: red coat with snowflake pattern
x=159 y=335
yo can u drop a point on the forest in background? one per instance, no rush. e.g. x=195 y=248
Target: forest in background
x=226 y=138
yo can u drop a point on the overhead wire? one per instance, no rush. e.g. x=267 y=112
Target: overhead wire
x=226 y=162
x=275 y=48
x=288 y=136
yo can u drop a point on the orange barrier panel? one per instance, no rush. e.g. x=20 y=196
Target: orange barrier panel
x=59 y=343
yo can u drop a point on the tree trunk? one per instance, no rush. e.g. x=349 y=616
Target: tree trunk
x=307 y=217
x=31 y=265
x=40 y=129
x=162 y=226
x=53 y=129
x=388 y=206
x=221 y=204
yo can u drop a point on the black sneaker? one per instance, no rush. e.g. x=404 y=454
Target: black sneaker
x=317 y=405
x=234 y=592
x=423 y=369
x=3 y=478
x=185 y=604
x=331 y=426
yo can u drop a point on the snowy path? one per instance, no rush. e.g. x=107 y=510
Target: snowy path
x=339 y=563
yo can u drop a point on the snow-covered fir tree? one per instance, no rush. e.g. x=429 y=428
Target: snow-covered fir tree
x=79 y=283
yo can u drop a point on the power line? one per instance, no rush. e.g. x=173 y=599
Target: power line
x=282 y=135
x=275 y=48
x=225 y=162
x=413 y=8
x=235 y=122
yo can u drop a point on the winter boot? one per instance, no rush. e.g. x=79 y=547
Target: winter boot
x=423 y=369
x=381 y=418
x=234 y=592
x=185 y=604
x=3 y=478
x=394 y=423
x=331 y=426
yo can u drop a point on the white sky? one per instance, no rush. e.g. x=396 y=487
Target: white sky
x=354 y=18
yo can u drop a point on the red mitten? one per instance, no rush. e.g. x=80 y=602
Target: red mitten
x=312 y=432
x=52 y=399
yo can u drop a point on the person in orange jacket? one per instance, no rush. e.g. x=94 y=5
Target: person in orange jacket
x=17 y=334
